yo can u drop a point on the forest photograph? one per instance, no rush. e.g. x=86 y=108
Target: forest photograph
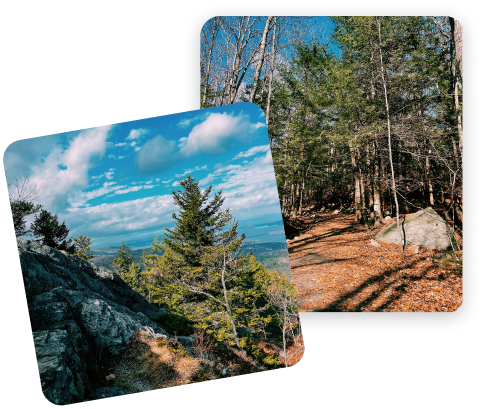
x=365 y=121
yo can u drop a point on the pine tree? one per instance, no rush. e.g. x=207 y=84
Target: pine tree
x=203 y=273
x=134 y=278
x=20 y=210
x=47 y=230
x=82 y=245
x=196 y=223
x=121 y=264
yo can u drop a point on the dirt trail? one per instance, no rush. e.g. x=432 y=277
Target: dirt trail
x=335 y=268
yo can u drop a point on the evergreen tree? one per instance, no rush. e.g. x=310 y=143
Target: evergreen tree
x=134 y=278
x=82 y=245
x=203 y=274
x=121 y=264
x=47 y=230
x=20 y=210
x=196 y=223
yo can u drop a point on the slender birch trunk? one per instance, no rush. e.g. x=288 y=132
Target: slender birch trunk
x=262 y=49
x=270 y=90
x=389 y=137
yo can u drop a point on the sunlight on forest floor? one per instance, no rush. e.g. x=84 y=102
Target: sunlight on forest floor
x=335 y=268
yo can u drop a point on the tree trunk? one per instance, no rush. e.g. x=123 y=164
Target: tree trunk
x=262 y=49
x=428 y=177
x=209 y=58
x=270 y=90
x=389 y=138
x=370 y=187
x=456 y=60
x=376 y=187
x=357 y=190
x=228 y=306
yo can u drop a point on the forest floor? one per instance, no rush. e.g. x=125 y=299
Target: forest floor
x=335 y=268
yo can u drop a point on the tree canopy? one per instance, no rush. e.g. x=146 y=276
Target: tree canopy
x=47 y=230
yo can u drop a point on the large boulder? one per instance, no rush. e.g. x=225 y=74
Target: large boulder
x=425 y=228
x=80 y=314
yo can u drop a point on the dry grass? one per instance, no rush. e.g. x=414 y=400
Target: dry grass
x=149 y=363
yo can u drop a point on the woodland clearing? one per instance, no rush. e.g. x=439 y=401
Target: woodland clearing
x=335 y=268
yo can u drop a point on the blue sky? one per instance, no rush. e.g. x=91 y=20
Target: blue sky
x=114 y=183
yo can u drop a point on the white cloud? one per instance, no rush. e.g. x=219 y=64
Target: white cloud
x=165 y=181
x=258 y=125
x=158 y=180
x=187 y=171
x=137 y=149
x=207 y=180
x=121 y=144
x=185 y=123
x=136 y=133
x=249 y=186
x=156 y=153
x=253 y=151
x=118 y=218
x=216 y=133
x=64 y=169
x=176 y=183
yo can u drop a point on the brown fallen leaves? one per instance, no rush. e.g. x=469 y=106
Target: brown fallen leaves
x=335 y=268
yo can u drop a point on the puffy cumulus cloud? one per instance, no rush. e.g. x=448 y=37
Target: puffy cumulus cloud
x=156 y=153
x=253 y=151
x=66 y=168
x=216 y=133
x=136 y=133
x=258 y=125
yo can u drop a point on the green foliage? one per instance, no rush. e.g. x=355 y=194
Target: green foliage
x=82 y=245
x=196 y=223
x=175 y=323
x=272 y=361
x=47 y=230
x=133 y=277
x=121 y=264
x=20 y=210
x=203 y=275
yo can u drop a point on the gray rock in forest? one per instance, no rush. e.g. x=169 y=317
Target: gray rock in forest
x=80 y=314
x=387 y=218
x=425 y=228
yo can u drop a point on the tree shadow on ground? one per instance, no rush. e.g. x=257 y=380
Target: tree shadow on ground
x=388 y=279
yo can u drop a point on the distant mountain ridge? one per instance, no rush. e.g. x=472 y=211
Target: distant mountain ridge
x=273 y=255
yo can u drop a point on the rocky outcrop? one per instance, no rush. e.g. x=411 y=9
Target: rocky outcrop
x=425 y=228
x=80 y=314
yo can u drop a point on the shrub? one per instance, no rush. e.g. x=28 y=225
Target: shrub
x=174 y=323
